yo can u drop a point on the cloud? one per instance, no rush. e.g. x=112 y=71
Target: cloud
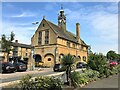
x=23 y=35
x=102 y=22
x=24 y=14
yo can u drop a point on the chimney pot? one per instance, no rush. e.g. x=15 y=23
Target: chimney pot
x=16 y=41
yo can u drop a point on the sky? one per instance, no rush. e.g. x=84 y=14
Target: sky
x=98 y=21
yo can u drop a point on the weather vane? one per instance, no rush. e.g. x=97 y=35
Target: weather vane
x=61 y=6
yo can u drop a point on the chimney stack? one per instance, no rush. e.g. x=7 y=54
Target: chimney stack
x=16 y=41
x=78 y=32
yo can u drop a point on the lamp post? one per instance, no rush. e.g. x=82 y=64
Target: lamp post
x=35 y=24
x=32 y=67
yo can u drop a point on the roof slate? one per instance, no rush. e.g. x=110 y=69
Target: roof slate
x=64 y=34
x=21 y=45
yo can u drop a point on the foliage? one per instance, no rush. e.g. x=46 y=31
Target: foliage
x=68 y=61
x=96 y=61
x=40 y=83
x=112 y=55
x=79 y=79
x=92 y=75
x=115 y=69
x=6 y=43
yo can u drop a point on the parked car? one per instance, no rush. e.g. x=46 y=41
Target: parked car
x=20 y=66
x=58 y=68
x=81 y=65
x=112 y=63
x=8 y=67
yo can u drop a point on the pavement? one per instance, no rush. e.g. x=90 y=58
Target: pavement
x=111 y=82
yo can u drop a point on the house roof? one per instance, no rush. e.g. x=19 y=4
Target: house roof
x=21 y=45
x=64 y=34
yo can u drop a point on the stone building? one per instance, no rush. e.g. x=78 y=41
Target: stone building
x=52 y=41
x=23 y=51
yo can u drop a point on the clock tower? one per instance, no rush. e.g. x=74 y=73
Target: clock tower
x=62 y=19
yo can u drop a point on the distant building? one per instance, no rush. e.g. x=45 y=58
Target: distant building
x=23 y=51
x=1 y=52
x=52 y=41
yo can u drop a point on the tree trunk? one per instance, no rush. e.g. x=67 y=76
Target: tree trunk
x=67 y=74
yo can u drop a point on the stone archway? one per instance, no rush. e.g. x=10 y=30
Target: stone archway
x=49 y=60
x=79 y=58
x=38 y=59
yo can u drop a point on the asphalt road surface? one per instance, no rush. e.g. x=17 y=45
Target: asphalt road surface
x=18 y=75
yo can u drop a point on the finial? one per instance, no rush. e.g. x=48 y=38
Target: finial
x=43 y=17
x=61 y=6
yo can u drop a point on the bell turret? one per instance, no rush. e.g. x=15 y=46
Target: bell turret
x=62 y=19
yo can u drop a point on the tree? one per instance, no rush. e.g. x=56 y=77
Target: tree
x=111 y=55
x=96 y=61
x=68 y=61
x=6 y=43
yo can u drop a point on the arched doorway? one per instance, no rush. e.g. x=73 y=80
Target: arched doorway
x=38 y=59
x=79 y=58
x=49 y=60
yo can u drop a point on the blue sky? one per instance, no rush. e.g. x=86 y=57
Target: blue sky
x=98 y=21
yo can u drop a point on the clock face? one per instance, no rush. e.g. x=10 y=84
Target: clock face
x=59 y=20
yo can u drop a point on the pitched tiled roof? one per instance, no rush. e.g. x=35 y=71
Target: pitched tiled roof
x=64 y=34
x=21 y=45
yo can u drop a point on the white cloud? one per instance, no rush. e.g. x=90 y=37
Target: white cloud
x=104 y=25
x=23 y=35
x=24 y=14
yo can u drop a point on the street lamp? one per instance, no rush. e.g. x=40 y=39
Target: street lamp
x=32 y=51
x=35 y=24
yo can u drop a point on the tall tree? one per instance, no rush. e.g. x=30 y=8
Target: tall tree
x=68 y=61
x=96 y=61
x=111 y=55
x=6 y=43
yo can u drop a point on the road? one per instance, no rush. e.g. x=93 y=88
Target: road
x=18 y=75
x=45 y=72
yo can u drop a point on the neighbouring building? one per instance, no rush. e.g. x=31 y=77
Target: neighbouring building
x=1 y=52
x=52 y=41
x=23 y=51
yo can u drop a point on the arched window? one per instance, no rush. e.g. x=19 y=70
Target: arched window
x=46 y=37
x=84 y=58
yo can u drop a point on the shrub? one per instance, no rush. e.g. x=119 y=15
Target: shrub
x=91 y=74
x=48 y=83
x=26 y=83
x=40 y=83
x=118 y=68
x=79 y=79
